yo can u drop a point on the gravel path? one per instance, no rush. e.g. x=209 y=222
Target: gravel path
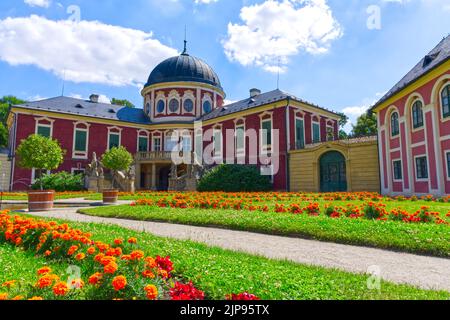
x=420 y=271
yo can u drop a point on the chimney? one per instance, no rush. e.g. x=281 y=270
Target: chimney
x=94 y=98
x=254 y=92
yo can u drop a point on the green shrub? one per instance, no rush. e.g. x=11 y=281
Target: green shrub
x=234 y=178
x=60 y=182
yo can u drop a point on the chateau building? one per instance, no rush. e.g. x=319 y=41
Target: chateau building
x=414 y=128
x=182 y=94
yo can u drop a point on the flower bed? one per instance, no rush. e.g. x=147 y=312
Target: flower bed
x=119 y=270
x=246 y=201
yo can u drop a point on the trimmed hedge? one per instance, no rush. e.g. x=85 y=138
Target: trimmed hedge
x=60 y=182
x=234 y=178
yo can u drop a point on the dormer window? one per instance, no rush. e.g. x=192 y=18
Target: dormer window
x=79 y=106
x=429 y=59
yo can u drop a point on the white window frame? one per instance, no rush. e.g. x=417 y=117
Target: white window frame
x=154 y=144
x=330 y=126
x=217 y=153
x=265 y=149
x=33 y=174
x=198 y=149
x=317 y=122
x=174 y=95
x=147 y=134
x=188 y=95
x=390 y=124
x=207 y=97
x=72 y=170
x=161 y=97
x=447 y=153
x=184 y=138
x=110 y=129
x=415 y=168
x=269 y=168
x=177 y=141
x=393 y=169
x=80 y=154
x=240 y=152
x=38 y=120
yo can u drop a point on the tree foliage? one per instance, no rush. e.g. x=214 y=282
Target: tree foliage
x=122 y=102
x=40 y=153
x=5 y=102
x=366 y=125
x=117 y=159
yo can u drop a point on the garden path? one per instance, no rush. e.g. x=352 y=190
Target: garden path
x=421 y=271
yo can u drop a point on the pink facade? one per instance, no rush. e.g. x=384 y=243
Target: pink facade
x=421 y=145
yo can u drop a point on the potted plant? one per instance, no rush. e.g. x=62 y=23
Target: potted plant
x=117 y=159
x=41 y=154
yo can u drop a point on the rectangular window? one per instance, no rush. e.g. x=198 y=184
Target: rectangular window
x=171 y=144
x=217 y=142
x=143 y=144
x=448 y=165
x=80 y=140
x=199 y=147
x=299 y=133
x=156 y=144
x=421 y=168
x=187 y=144
x=330 y=134
x=398 y=170
x=44 y=131
x=114 y=140
x=266 y=127
x=316 y=133
x=240 y=140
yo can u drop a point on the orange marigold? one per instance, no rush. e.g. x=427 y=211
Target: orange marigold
x=150 y=262
x=118 y=241
x=151 y=292
x=60 y=289
x=110 y=268
x=132 y=240
x=3 y=296
x=119 y=283
x=44 y=270
x=80 y=256
x=72 y=250
x=77 y=284
x=137 y=255
x=36 y=299
x=91 y=250
x=95 y=278
x=148 y=274
x=9 y=284
x=47 y=253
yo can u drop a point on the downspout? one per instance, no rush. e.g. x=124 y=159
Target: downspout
x=288 y=145
x=13 y=152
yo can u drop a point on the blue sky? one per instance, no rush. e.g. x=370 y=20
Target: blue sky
x=327 y=53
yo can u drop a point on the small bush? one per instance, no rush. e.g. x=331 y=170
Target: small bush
x=60 y=182
x=234 y=178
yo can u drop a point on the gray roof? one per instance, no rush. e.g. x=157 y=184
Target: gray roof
x=259 y=100
x=436 y=57
x=90 y=109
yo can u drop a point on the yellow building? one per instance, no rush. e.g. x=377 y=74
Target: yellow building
x=344 y=165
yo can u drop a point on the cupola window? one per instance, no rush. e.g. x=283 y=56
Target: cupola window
x=188 y=105
x=174 y=105
x=207 y=108
x=160 y=107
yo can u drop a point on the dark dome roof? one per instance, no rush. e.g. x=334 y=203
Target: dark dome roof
x=184 y=68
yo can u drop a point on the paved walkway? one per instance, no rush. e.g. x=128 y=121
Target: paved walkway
x=421 y=271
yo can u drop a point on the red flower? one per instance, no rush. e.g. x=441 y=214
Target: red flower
x=242 y=296
x=186 y=292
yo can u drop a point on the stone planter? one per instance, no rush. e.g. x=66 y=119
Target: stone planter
x=110 y=196
x=40 y=200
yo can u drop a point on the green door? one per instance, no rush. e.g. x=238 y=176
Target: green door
x=333 y=172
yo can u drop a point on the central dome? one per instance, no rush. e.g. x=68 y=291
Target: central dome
x=184 y=68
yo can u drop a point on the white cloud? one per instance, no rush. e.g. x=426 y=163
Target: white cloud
x=88 y=51
x=38 y=3
x=355 y=112
x=277 y=30
x=205 y=1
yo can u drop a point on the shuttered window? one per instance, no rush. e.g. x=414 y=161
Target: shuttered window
x=143 y=144
x=80 y=140
x=44 y=131
x=299 y=134
x=316 y=133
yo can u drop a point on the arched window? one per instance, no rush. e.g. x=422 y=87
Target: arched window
x=395 y=129
x=207 y=108
x=188 y=105
x=174 y=105
x=417 y=114
x=446 y=102
x=160 y=106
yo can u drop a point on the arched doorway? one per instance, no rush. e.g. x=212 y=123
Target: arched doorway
x=333 y=172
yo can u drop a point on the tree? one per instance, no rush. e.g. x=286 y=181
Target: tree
x=40 y=153
x=122 y=102
x=343 y=135
x=117 y=159
x=366 y=125
x=4 y=108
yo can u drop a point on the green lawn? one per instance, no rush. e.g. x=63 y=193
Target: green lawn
x=421 y=238
x=16 y=264
x=219 y=272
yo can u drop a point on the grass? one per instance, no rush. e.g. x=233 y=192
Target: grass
x=430 y=239
x=16 y=264
x=219 y=272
